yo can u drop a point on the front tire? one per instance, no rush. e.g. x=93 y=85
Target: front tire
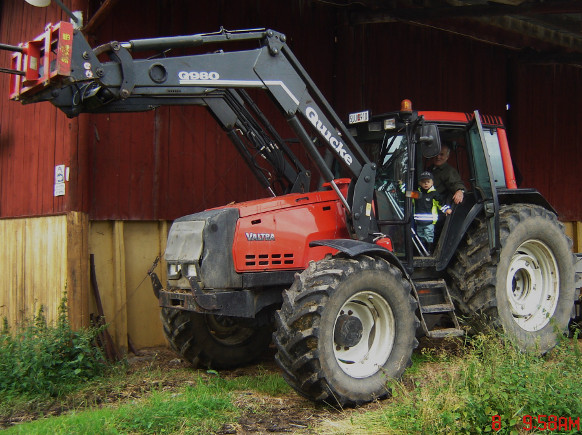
x=217 y=342
x=530 y=291
x=346 y=327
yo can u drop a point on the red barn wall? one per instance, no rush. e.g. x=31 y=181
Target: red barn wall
x=35 y=138
x=175 y=161
x=435 y=70
x=545 y=119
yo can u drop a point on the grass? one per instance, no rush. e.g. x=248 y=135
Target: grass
x=488 y=385
x=49 y=369
x=194 y=409
x=200 y=404
x=463 y=387
x=151 y=399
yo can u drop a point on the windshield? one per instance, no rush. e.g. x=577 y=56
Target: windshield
x=391 y=155
x=392 y=162
x=391 y=177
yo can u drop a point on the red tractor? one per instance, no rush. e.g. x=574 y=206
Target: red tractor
x=339 y=274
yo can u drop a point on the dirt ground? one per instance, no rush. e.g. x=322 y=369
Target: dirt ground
x=260 y=413
x=263 y=414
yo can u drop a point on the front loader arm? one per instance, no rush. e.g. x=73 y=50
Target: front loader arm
x=216 y=80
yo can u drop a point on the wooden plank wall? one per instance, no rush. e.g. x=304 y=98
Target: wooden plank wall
x=435 y=70
x=123 y=252
x=44 y=258
x=177 y=160
x=574 y=231
x=41 y=259
x=131 y=173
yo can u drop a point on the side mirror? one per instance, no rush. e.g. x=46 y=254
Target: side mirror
x=430 y=140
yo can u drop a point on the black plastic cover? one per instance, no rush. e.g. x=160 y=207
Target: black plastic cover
x=217 y=263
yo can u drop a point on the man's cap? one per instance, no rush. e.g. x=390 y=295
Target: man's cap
x=426 y=175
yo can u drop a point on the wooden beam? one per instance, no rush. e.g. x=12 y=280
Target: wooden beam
x=78 y=268
x=101 y=15
x=459 y=10
x=119 y=288
x=531 y=21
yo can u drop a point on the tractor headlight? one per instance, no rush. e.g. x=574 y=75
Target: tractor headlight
x=389 y=124
x=191 y=270
x=174 y=271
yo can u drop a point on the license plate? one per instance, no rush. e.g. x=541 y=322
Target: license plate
x=354 y=118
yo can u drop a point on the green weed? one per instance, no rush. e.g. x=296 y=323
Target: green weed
x=42 y=359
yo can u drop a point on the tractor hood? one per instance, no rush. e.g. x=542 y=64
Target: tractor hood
x=250 y=208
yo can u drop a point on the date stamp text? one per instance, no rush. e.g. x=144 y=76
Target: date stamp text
x=541 y=423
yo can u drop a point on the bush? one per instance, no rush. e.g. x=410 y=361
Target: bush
x=45 y=359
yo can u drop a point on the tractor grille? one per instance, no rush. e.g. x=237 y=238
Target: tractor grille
x=263 y=260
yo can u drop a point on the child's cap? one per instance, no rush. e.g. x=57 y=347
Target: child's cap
x=426 y=175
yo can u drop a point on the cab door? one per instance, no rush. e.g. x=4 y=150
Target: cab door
x=483 y=179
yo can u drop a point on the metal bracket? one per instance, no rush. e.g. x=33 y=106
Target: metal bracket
x=156 y=284
x=206 y=302
x=301 y=183
x=275 y=42
x=121 y=55
x=362 y=213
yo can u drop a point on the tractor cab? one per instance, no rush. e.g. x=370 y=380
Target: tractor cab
x=404 y=144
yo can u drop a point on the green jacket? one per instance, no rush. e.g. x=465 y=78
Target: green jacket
x=446 y=180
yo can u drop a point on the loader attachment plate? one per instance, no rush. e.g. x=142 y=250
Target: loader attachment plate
x=44 y=60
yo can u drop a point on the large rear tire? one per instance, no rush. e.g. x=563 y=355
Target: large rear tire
x=529 y=293
x=346 y=327
x=216 y=342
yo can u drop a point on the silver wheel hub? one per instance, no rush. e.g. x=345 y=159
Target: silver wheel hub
x=532 y=285
x=364 y=334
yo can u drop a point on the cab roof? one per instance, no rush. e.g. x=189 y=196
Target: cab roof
x=460 y=117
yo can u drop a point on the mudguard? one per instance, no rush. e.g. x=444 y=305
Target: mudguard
x=353 y=248
x=464 y=214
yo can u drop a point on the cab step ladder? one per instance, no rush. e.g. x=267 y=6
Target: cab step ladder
x=437 y=300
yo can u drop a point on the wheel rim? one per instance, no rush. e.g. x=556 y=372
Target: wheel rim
x=533 y=285
x=227 y=331
x=372 y=350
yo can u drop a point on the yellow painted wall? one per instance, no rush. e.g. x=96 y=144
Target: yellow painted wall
x=41 y=258
x=123 y=253
x=574 y=231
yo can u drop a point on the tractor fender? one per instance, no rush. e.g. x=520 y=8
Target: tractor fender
x=466 y=212
x=354 y=248
x=525 y=196
x=456 y=227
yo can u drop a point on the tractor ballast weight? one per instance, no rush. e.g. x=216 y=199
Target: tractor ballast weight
x=338 y=272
